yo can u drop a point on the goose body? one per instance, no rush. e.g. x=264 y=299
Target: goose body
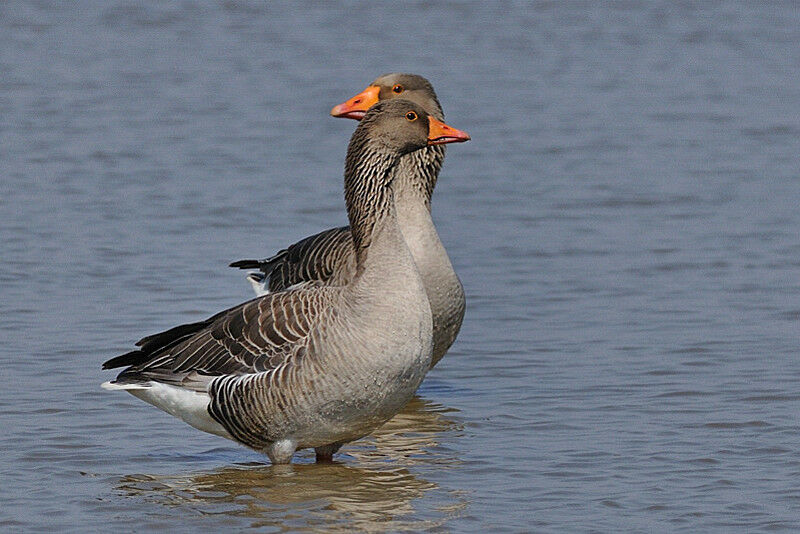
x=329 y=257
x=315 y=365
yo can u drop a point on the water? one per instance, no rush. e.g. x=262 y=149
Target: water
x=624 y=221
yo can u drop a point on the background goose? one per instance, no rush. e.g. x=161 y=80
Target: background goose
x=329 y=256
x=319 y=365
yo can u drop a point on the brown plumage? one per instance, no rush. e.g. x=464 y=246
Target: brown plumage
x=314 y=366
x=329 y=257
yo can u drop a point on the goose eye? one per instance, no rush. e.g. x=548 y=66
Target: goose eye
x=397 y=88
x=411 y=116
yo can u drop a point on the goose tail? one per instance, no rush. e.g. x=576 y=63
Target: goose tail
x=113 y=385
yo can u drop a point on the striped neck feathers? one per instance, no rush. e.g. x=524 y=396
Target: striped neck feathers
x=367 y=190
x=416 y=173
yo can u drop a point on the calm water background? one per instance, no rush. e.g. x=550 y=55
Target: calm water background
x=625 y=223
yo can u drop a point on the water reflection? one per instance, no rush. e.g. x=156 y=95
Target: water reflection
x=370 y=488
x=411 y=437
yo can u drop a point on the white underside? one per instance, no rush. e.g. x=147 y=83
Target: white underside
x=189 y=406
x=259 y=286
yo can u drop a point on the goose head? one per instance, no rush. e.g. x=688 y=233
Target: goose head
x=389 y=130
x=411 y=87
x=399 y=126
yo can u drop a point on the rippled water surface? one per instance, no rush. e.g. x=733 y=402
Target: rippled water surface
x=625 y=223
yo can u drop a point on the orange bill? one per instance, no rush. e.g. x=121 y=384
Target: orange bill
x=357 y=107
x=439 y=133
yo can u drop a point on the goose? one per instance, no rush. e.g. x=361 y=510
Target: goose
x=329 y=256
x=315 y=366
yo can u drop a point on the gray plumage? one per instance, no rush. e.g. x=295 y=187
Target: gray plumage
x=317 y=365
x=328 y=256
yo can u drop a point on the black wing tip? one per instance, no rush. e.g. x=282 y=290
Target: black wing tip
x=152 y=345
x=129 y=358
x=245 y=264
x=266 y=265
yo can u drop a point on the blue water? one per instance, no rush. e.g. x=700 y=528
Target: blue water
x=625 y=222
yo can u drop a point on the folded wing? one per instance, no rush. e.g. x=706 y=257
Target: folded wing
x=315 y=258
x=257 y=336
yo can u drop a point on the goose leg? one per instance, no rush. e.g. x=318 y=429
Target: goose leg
x=281 y=451
x=326 y=452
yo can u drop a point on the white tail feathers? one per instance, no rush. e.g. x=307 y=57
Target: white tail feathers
x=118 y=387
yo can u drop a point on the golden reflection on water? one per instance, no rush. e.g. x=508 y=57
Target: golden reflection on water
x=370 y=488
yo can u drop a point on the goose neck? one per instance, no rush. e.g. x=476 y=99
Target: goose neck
x=367 y=193
x=414 y=177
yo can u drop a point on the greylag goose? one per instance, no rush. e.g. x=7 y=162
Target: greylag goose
x=329 y=256
x=315 y=366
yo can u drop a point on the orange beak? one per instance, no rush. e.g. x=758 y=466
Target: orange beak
x=439 y=133
x=356 y=107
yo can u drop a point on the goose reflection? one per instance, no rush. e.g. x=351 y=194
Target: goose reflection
x=410 y=437
x=371 y=489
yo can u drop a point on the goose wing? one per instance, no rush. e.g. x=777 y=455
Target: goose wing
x=315 y=258
x=257 y=336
